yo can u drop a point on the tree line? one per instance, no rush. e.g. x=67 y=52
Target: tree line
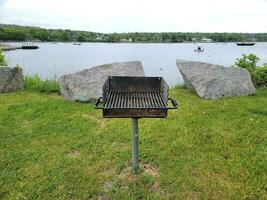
x=26 y=33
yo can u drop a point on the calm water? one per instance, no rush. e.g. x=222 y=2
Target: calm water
x=158 y=59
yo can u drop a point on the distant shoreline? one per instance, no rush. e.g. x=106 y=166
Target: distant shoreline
x=36 y=34
x=121 y=42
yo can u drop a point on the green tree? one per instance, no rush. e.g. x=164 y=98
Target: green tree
x=174 y=38
x=165 y=37
x=14 y=34
x=81 y=37
x=65 y=36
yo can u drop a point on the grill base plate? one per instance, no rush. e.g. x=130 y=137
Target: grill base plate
x=135 y=113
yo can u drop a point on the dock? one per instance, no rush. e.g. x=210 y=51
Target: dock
x=7 y=47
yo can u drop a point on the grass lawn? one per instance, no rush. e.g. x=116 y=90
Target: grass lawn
x=54 y=149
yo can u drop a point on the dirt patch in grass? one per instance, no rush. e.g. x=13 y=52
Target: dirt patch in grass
x=74 y=154
x=103 y=197
x=107 y=170
x=148 y=176
x=151 y=170
x=145 y=169
x=109 y=185
x=127 y=175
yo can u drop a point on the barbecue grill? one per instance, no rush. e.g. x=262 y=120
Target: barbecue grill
x=135 y=97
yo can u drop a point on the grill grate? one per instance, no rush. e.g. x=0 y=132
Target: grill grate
x=122 y=99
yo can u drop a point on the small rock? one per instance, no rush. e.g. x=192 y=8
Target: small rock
x=11 y=79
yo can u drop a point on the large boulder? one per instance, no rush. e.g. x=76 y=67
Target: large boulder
x=86 y=85
x=11 y=79
x=215 y=81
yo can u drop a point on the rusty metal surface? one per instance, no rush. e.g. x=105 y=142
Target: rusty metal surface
x=137 y=97
x=134 y=84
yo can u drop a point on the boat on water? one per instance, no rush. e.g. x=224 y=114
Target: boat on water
x=77 y=44
x=199 y=49
x=29 y=46
x=245 y=43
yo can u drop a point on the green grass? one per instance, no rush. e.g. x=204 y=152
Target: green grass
x=54 y=149
x=35 y=83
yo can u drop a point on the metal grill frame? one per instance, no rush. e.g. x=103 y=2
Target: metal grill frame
x=148 y=96
x=154 y=91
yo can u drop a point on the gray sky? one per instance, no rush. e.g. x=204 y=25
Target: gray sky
x=139 y=15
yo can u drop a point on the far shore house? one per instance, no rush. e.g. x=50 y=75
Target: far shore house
x=99 y=37
x=126 y=40
x=204 y=39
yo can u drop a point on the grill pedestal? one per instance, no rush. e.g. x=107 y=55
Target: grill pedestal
x=135 y=163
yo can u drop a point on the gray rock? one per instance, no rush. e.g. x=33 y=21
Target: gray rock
x=11 y=79
x=86 y=85
x=215 y=81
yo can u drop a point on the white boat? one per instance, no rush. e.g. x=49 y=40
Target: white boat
x=199 y=49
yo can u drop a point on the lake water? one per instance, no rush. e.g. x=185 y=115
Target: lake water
x=158 y=59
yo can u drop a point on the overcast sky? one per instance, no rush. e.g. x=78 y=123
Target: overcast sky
x=139 y=15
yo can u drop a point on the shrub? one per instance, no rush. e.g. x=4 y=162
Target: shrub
x=2 y=58
x=248 y=62
x=35 y=83
x=258 y=74
x=261 y=76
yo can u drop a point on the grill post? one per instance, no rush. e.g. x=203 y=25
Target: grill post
x=135 y=164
